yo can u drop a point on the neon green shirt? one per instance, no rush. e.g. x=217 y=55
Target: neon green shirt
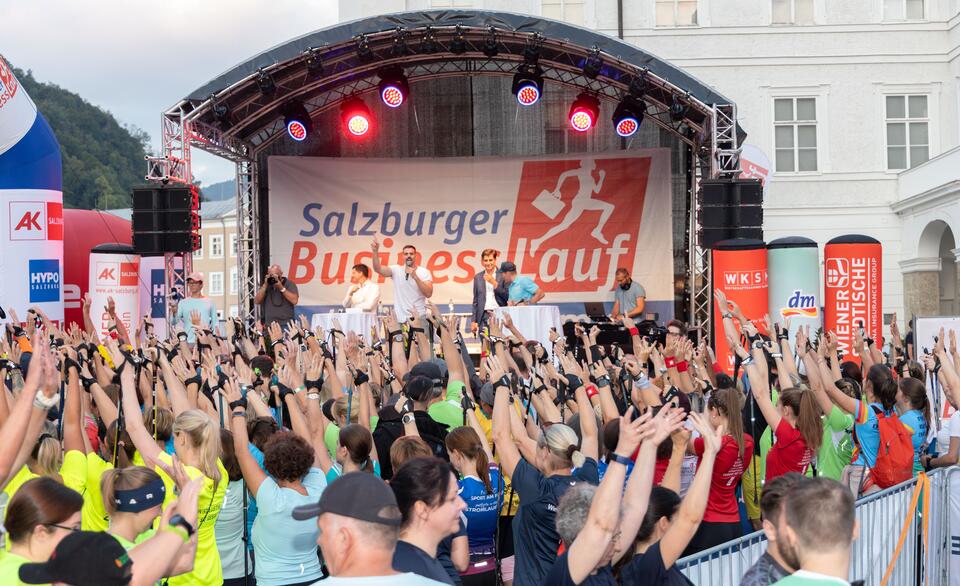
x=449 y=412
x=10 y=568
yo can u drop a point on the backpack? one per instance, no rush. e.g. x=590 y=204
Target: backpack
x=894 y=462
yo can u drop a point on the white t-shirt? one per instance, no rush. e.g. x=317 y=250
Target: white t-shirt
x=366 y=297
x=406 y=294
x=408 y=579
x=490 y=303
x=947 y=430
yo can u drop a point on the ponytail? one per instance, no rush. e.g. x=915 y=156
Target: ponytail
x=48 y=455
x=119 y=444
x=916 y=392
x=205 y=438
x=466 y=441
x=124 y=479
x=809 y=424
x=729 y=403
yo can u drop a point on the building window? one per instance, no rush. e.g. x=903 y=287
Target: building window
x=219 y=314
x=676 y=12
x=792 y=12
x=908 y=131
x=198 y=253
x=234 y=311
x=216 y=246
x=216 y=283
x=795 y=134
x=233 y=245
x=903 y=9
x=566 y=10
x=233 y=281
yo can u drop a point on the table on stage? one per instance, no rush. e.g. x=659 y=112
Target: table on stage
x=358 y=322
x=533 y=321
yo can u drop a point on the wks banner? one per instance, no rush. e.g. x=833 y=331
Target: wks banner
x=31 y=205
x=568 y=222
x=852 y=267
x=794 y=282
x=114 y=272
x=740 y=271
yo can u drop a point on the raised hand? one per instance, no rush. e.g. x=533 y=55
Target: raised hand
x=631 y=432
x=375 y=245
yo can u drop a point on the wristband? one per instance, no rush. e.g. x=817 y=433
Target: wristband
x=717 y=369
x=603 y=381
x=634 y=331
x=313 y=396
x=178 y=530
x=182 y=336
x=360 y=378
x=193 y=380
x=503 y=381
x=670 y=362
x=41 y=401
x=239 y=414
x=682 y=366
x=241 y=402
x=612 y=457
x=591 y=391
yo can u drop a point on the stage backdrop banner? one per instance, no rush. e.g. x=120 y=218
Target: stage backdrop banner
x=568 y=222
x=740 y=271
x=852 y=291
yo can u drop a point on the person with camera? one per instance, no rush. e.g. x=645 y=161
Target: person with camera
x=277 y=297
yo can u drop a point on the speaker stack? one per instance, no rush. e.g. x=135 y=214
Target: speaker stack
x=730 y=208
x=166 y=219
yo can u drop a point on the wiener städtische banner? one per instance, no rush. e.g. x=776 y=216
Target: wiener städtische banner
x=568 y=222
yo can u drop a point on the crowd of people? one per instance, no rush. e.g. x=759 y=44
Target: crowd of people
x=277 y=455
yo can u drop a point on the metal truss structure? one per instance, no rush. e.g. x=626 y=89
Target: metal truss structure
x=244 y=118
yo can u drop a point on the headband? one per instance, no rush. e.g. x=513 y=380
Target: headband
x=140 y=499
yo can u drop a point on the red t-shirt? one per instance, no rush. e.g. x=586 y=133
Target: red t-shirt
x=789 y=452
x=727 y=470
x=660 y=470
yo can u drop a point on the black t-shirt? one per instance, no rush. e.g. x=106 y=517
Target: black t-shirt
x=443 y=552
x=410 y=558
x=535 y=535
x=647 y=569
x=275 y=306
x=559 y=575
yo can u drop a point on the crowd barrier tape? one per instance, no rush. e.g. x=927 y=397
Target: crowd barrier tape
x=905 y=539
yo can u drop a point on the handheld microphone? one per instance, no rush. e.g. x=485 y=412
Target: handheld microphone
x=409 y=263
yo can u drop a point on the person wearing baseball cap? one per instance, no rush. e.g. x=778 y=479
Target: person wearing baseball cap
x=521 y=289
x=359 y=523
x=196 y=310
x=83 y=558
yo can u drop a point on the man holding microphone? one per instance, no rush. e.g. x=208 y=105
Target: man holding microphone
x=412 y=285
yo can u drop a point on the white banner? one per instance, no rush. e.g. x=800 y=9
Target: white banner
x=568 y=222
x=114 y=275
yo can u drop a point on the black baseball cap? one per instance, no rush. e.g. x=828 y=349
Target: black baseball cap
x=508 y=267
x=429 y=369
x=358 y=495
x=83 y=558
x=418 y=388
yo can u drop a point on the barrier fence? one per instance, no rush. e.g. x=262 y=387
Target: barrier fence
x=905 y=539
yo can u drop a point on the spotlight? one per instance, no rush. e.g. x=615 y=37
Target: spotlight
x=364 y=53
x=490 y=44
x=628 y=116
x=393 y=87
x=678 y=110
x=265 y=83
x=429 y=43
x=400 y=48
x=584 y=112
x=313 y=62
x=528 y=85
x=297 y=121
x=638 y=85
x=458 y=45
x=531 y=52
x=221 y=112
x=355 y=117
x=593 y=63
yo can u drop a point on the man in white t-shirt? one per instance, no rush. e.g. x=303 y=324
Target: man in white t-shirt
x=363 y=294
x=412 y=285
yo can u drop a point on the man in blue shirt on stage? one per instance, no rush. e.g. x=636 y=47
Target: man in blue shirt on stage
x=522 y=290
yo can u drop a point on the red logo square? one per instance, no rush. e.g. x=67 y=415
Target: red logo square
x=54 y=220
x=128 y=274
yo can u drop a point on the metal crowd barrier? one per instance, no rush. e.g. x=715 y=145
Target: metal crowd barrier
x=886 y=519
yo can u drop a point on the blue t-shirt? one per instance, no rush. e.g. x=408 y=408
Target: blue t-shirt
x=286 y=549
x=917 y=425
x=867 y=431
x=252 y=502
x=481 y=512
x=522 y=289
x=202 y=305
x=535 y=536
x=602 y=469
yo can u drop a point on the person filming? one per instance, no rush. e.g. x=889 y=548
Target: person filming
x=277 y=297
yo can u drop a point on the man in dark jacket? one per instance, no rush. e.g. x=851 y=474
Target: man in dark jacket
x=419 y=392
x=489 y=290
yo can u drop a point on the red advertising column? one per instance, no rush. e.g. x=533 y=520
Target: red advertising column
x=853 y=288
x=740 y=271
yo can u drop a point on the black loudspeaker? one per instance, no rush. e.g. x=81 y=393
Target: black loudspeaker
x=730 y=208
x=165 y=219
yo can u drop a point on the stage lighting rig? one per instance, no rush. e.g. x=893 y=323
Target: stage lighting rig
x=314 y=63
x=458 y=45
x=490 y=44
x=593 y=63
x=678 y=110
x=394 y=87
x=429 y=43
x=400 y=48
x=221 y=112
x=638 y=85
x=364 y=52
x=531 y=52
x=265 y=83
x=584 y=112
x=628 y=116
x=355 y=117
x=297 y=120
x=528 y=84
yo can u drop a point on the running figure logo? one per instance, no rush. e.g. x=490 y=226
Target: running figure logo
x=550 y=204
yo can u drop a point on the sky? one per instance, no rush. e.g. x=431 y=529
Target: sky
x=136 y=58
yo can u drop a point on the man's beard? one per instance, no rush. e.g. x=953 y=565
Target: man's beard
x=789 y=554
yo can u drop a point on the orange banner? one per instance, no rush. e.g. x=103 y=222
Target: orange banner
x=741 y=273
x=853 y=290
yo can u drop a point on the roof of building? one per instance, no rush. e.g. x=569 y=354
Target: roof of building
x=209 y=210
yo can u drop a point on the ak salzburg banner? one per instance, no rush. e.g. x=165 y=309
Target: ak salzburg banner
x=567 y=221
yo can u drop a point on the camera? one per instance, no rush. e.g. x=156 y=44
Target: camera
x=271 y=280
